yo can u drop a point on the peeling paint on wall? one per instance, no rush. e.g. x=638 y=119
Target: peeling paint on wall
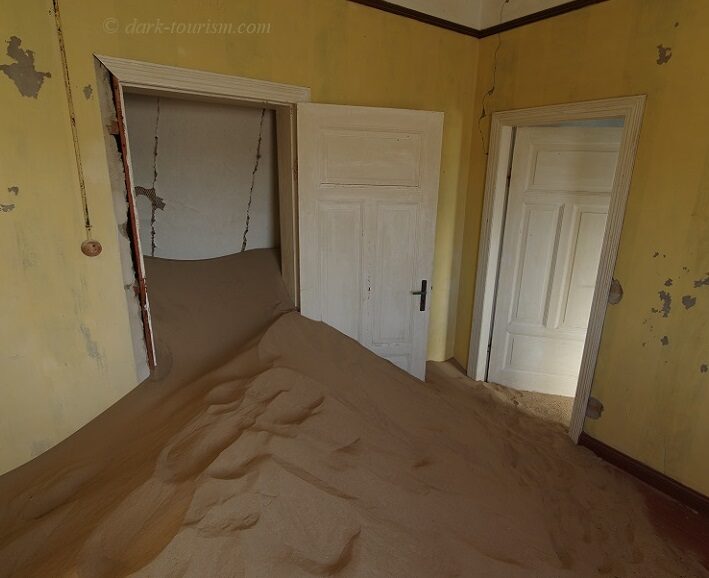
x=668 y=283
x=666 y=299
x=88 y=91
x=7 y=208
x=22 y=72
x=664 y=53
x=703 y=368
x=615 y=295
x=688 y=301
x=665 y=340
x=15 y=190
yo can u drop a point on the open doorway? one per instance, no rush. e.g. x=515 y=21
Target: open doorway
x=557 y=183
x=205 y=176
x=205 y=152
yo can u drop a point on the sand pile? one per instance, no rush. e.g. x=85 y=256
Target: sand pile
x=303 y=454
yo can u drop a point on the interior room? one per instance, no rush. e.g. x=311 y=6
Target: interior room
x=354 y=288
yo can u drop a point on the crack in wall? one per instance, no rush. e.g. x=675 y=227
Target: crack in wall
x=253 y=180
x=491 y=91
x=156 y=201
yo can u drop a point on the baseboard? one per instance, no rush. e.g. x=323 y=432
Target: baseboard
x=687 y=496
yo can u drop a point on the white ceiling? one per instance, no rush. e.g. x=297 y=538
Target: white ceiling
x=478 y=14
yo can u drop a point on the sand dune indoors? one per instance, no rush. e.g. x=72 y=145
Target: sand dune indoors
x=269 y=445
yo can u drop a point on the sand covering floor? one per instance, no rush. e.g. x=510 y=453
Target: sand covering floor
x=299 y=453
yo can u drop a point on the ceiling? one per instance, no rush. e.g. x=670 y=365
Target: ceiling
x=478 y=14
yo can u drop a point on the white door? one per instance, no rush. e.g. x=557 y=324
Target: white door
x=367 y=195
x=559 y=193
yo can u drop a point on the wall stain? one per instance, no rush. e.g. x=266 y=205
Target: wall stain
x=22 y=72
x=7 y=208
x=688 y=301
x=88 y=91
x=703 y=368
x=700 y=282
x=90 y=344
x=15 y=190
x=665 y=340
x=253 y=181
x=664 y=53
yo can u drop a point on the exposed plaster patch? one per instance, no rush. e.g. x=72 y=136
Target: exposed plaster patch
x=700 y=282
x=7 y=208
x=663 y=54
x=665 y=340
x=156 y=203
x=615 y=295
x=15 y=190
x=253 y=180
x=594 y=409
x=123 y=227
x=668 y=283
x=22 y=72
x=688 y=301
x=88 y=91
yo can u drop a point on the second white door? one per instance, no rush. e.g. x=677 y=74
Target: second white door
x=559 y=194
x=367 y=196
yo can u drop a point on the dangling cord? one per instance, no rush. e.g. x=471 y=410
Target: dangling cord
x=89 y=247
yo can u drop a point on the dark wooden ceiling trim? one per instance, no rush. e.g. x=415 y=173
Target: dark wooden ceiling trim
x=420 y=16
x=475 y=33
x=537 y=16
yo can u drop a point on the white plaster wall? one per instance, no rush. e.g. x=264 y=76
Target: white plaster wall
x=205 y=160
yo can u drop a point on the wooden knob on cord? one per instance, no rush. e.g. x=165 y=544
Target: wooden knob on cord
x=91 y=248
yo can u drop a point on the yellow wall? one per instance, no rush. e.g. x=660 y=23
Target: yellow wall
x=656 y=397
x=66 y=347
x=66 y=344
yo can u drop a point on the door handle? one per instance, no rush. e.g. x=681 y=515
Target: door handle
x=422 y=294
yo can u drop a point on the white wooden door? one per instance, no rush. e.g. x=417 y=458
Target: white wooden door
x=559 y=193
x=367 y=195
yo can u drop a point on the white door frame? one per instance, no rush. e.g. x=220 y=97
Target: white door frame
x=177 y=82
x=502 y=128
x=171 y=81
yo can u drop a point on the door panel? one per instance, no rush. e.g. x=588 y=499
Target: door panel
x=368 y=189
x=394 y=269
x=341 y=265
x=558 y=200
